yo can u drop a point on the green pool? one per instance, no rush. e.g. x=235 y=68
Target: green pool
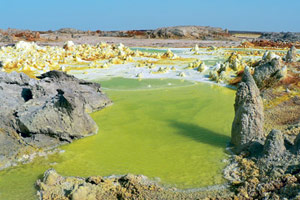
x=172 y=131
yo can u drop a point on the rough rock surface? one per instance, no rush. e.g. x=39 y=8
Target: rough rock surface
x=195 y=32
x=44 y=113
x=250 y=182
x=274 y=144
x=282 y=36
x=70 y=31
x=249 y=117
x=6 y=38
x=268 y=168
x=268 y=72
x=55 y=186
x=291 y=55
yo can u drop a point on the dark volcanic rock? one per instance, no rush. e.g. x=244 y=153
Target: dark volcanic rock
x=291 y=55
x=44 y=113
x=274 y=144
x=249 y=117
x=62 y=116
x=268 y=73
x=282 y=36
x=297 y=144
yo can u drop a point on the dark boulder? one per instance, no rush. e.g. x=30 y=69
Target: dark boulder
x=274 y=144
x=297 y=143
x=268 y=73
x=44 y=113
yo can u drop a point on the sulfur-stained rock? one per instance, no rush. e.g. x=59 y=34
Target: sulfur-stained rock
x=201 y=67
x=169 y=54
x=84 y=193
x=248 y=122
x=128 y=186
x=51 y=177
x=182 y=74
x=69 y=45
x=139 y=75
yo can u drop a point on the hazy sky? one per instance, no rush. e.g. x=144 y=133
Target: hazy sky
x=255 y=15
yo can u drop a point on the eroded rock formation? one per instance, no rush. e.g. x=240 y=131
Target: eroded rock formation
x=291 y=55
x=268 y=72
x=274 y=144
x=44 y=113
x=249 y=116
x=267 y=168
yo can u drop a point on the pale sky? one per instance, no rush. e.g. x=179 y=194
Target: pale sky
x=252 y=15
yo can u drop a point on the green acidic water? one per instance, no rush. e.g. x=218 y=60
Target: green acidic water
x=174 y=134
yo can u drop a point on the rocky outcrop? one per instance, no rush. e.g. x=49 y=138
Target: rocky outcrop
x=115 y=187
x=269 y=72
x=70 y=31
x=95 y=187
x=62 y=116
x=249 y=117
x=291 y=55
x=6 y=38
x=266 y=167
x=41 y=114
x=274 y=144
x=250 y=182
x=282 y=36
x=192 y=32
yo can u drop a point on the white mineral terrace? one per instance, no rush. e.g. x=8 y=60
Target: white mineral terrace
x=103 y=61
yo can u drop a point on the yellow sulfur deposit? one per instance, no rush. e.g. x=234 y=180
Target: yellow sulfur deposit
x=222 y=65
x=233 y=65
x=194 y=65
x=162 y=70
x=201 y=67
x=33 y=59
x=182 y=74
x=169 y=54
x=139 y=75
x=195 y=49
x=213 y=75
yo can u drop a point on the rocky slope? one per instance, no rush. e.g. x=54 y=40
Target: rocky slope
x=268 y=168
x=37 y=115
